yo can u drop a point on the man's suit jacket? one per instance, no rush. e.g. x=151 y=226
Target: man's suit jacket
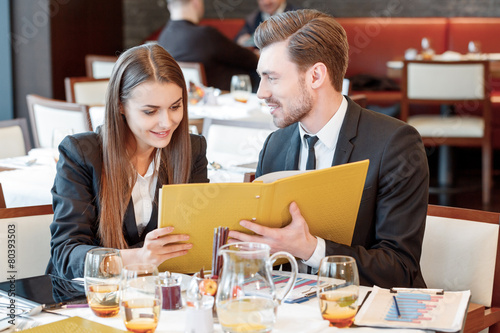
x=76 y=202
x=390 y=225
x=221 y=57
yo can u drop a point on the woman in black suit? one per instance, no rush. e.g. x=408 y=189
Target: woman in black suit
x=106 y=189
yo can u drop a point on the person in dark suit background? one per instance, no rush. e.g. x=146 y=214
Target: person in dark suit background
x=266 y=8
x=304 y=56
x=105 y=192
x=187 y=41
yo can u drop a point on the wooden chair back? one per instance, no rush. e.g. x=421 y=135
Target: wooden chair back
x=194 y=72
x=15 y=132
x=30 y=229
x=235 y=142
x=86 y=90
x=461 y=252
x=464 y=84
x=50 y=115
x=99 y=66
x=2 y=198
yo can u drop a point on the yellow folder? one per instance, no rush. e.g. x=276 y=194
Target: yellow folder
x=328 y=199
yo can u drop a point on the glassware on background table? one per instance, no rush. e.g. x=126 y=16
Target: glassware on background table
x=102 y=272
x=241 y=87
x=427 y=51
x=247 y=300
x=140 y=293
x=338 y=290
x=474 y=48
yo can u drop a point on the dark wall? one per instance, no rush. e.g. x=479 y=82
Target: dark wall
x=143 y=17
x=6 y=95
x=30 y=52
x=50 y=39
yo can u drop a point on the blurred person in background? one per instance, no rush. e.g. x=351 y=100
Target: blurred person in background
x=266 y=9
x=187 y=41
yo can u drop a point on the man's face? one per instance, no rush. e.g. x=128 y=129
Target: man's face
x=282 y=86
x=269 y=6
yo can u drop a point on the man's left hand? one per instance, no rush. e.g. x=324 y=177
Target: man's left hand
x=295 y=238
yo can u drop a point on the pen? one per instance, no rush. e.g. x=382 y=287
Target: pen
x=72 y=306
x=397 y=306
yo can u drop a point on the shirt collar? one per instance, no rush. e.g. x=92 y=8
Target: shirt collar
x=329 y=134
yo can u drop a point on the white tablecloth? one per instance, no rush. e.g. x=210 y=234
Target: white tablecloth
x=303 y=318
x=29 y=185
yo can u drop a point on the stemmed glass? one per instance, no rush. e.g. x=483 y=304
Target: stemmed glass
x=140 y=292
x=338 y=290
x=241 y=87
x=102 y=272
x=474 y=48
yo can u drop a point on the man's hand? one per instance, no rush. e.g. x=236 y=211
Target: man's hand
x=295 y=238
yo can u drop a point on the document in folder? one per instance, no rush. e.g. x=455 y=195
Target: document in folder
x=328 y=199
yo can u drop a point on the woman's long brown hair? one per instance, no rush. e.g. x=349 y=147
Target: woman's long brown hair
x=137 y=65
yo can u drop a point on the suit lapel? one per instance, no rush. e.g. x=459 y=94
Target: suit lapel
x=292 y=155
x=348 y=131
x=129 y=224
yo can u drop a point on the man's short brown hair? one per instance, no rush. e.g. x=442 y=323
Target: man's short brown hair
x=312 y=37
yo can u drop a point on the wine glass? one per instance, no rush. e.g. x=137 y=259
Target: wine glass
x=338 y=290
x=102 y=272
x=241 y=87
x=474 y=48
x=140 y=292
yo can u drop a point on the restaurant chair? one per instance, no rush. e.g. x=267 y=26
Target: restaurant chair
x=460 y=252
x=463 y=84
x=2 y=198
x=86 y=90
x=48 y=116
x=30 y=227
x=194 y=72
x=99 y=66
x=235 y=142
x=15 y=132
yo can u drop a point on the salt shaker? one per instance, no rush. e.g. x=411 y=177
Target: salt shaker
x=199 y=317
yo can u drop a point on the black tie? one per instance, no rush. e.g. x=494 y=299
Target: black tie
x=311 y=157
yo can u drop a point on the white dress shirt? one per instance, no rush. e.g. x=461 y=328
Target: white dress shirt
x=324 y=151
x=142 y=197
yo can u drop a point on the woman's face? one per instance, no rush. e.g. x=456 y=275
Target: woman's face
x=153 y=112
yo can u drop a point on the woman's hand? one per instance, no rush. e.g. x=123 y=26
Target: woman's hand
x=159 y=245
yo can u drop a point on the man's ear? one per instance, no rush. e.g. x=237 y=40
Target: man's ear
x=318 y=74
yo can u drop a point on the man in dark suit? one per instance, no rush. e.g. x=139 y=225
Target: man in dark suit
x=187 y=41
x=304 y=56
x=266 y=9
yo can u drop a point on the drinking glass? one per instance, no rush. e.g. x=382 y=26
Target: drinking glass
x=241 y=87
x=102 y=271
x=140 y=292
x=338 y=290
x=474 y=48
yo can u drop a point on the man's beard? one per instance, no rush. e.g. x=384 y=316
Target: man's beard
x=298 y=108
